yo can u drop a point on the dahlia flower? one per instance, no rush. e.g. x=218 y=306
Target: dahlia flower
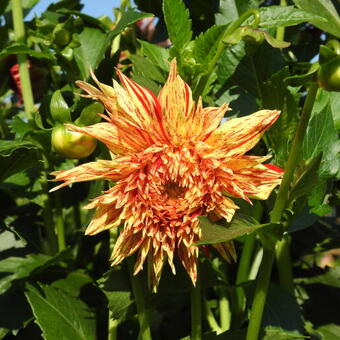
x=172 y=162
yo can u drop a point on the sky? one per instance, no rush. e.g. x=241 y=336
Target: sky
x=94 y=8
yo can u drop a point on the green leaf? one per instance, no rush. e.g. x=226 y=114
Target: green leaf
x=145 y=68
x=15 y=268
x=18 y=48
x=90 y=114
x=325 y=9
x=7 y=147
x=59 y=315
x=19 y=160
x=306 y=175
x=240 y=225
x=129 y=17
x=227 y=12
x=115 y=285
x=93 y=44
x=156 y=54
x=321 y=137
x=178 y=24
x=329 y=332
x=205 y=45
x=277 y=333
x=72 y=283
x=330 y=278
x=19 y=267
x=283 y=311
x=59 y=109
x=278 y=16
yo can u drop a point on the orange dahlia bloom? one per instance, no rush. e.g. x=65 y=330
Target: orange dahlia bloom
x=172 y=162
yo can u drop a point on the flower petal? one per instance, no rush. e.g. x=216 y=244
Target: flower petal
x=111 y=170
x=115 y=139
x=177 y=105
x=238 y=135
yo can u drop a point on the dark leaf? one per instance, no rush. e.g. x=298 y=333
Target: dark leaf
x=60 y=315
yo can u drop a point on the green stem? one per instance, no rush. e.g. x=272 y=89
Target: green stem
x=224 y=306
x=144 y=333
x=280 y=32
x=196 y=312
x=211 y=318
x=294 y=154
x=284 y=264
x=242 y=275
x=256 y=264
x=276 y=216
x=47 y=211
x=261 y=290
x=60 y=223
x=19 y=33
x=202 y=82
x=113 y=326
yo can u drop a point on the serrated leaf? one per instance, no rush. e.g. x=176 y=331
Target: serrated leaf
x=321 y=137
x=306 y=175
x=178 y=24
x=59 y=315
x=205 y=45
x=93 y=44
x=17 y=48
x=19 y=160
x=7 y=147
x=145 y=68
x=156 y=54
x=115 y=285
x=59 y=109
x=324 y=9
x=278 y=16
x=19 y=267
x=15 y=268
x=239 y=226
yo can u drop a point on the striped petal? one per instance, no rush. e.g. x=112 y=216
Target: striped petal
x=110 y=170
x=239 y=135
x=113 y=137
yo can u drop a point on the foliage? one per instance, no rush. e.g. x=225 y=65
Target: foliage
x=55 y=282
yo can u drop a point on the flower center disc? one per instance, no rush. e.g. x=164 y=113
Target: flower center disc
x=173 y=190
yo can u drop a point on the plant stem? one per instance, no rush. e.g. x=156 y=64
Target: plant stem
x=242 y=275
x=144 y=333
x=224 y=306
x=211 y=318
x=280 y=32
x=60 y=223
x=196 y=312
x=47 y=211
x=276 y=216
x=284 y=264
x=113 y=325
x=202 y=82
x=261 y=290
x=294 y=154
x=255 y=265
x=19 y=33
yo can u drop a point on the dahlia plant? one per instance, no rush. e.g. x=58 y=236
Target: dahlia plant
x=209 y=170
